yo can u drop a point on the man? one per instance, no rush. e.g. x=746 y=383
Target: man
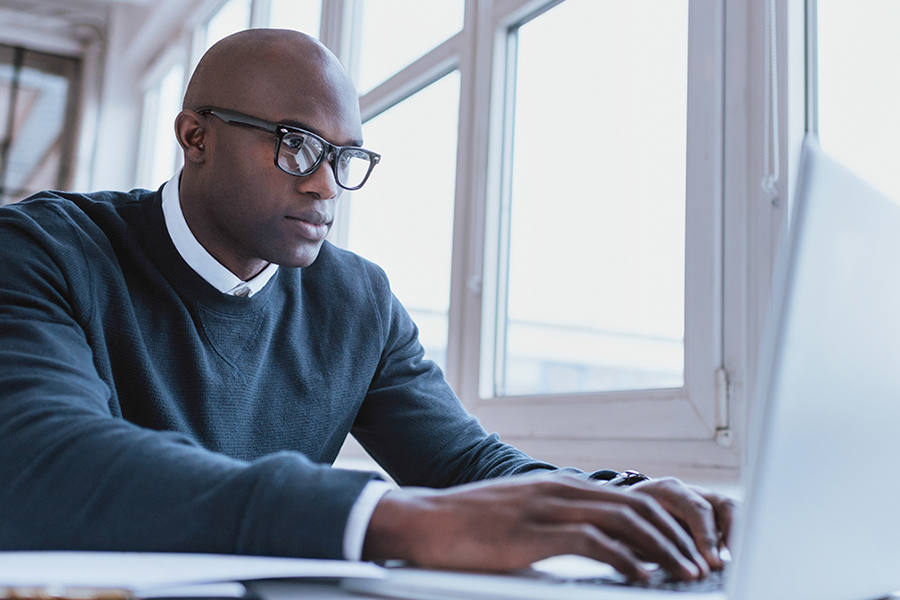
x=179 y=369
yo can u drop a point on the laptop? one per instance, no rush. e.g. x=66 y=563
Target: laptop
x=821 y=517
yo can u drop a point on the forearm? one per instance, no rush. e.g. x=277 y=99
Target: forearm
x=73 y=476
x=113 y=486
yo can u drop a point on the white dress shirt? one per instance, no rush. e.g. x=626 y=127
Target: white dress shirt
x=218 y=276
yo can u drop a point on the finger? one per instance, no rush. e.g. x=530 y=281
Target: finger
x=652 y=538
x=655 y=514
x=701 y=519
x=691 y=509
x=621 y=522
x=646 y=506
x=586 y=540
x=724 y=509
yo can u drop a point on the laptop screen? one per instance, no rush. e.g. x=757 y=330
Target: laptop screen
x=821 y=518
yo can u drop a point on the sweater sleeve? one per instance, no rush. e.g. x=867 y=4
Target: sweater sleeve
x=75 y=476
x=413 y=424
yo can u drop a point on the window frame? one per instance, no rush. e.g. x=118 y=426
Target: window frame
x=702 y=289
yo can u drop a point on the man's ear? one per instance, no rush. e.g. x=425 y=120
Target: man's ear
x=190 y=134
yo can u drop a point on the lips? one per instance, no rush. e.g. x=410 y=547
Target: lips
x=310 y=225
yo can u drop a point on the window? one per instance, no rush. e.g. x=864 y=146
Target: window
x=302 y=15
x=601 y=296
x=394 y=33
x=159 y=157
x=593 y=293
x=37 y=124
x=231 y=18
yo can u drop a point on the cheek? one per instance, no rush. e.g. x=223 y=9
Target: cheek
x=249 y=193
x=243 y=161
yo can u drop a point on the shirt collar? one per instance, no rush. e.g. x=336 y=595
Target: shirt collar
x=196 y=256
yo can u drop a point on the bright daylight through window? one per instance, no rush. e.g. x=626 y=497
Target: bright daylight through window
x=594 y=294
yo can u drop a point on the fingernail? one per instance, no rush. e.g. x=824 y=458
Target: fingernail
x=692 y=570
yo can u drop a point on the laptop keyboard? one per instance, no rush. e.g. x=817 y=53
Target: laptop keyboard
x=659 y=580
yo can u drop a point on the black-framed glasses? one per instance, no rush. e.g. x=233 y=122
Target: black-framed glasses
x=299 y=152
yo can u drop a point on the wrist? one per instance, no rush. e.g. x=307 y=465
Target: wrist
x=395 y=529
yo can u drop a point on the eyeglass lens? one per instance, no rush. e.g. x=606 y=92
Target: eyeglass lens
x=298 y=153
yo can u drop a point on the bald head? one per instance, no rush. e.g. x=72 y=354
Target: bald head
x=268 y=68
x=237 y=201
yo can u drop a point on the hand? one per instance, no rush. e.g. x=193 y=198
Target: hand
x=510 y=523
x=706 y=516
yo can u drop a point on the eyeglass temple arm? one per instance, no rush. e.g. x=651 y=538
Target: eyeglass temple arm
x=235 y=118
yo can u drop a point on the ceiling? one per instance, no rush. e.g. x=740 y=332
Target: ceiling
x=60 y=25
x=62 y=8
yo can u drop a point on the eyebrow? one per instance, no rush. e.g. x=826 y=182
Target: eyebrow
x=299 y=125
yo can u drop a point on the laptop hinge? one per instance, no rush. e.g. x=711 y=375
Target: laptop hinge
x=723 y=430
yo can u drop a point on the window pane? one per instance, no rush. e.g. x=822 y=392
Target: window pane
x=403 y=218
x=596 y=228
x=40 y=114
x=7 y=59
x=234 y=16
x=164 y=100
x=38 y=155
x=858 y=58
x=396 y=32
x=302 y=15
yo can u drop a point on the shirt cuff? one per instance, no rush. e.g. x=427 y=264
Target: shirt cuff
x=360 y=515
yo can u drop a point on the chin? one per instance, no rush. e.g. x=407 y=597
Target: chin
x=292 y=253
x=302 y=257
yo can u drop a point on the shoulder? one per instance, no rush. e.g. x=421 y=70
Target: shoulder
x=70 y=229
x=85 y=201
x=53 y=209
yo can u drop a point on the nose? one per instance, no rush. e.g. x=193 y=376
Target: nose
x=321 y=183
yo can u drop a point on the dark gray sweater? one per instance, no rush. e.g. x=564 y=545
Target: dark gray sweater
x=141 y=409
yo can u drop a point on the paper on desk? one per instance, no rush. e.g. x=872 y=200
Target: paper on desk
x=144 y=571
x=196 y=591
